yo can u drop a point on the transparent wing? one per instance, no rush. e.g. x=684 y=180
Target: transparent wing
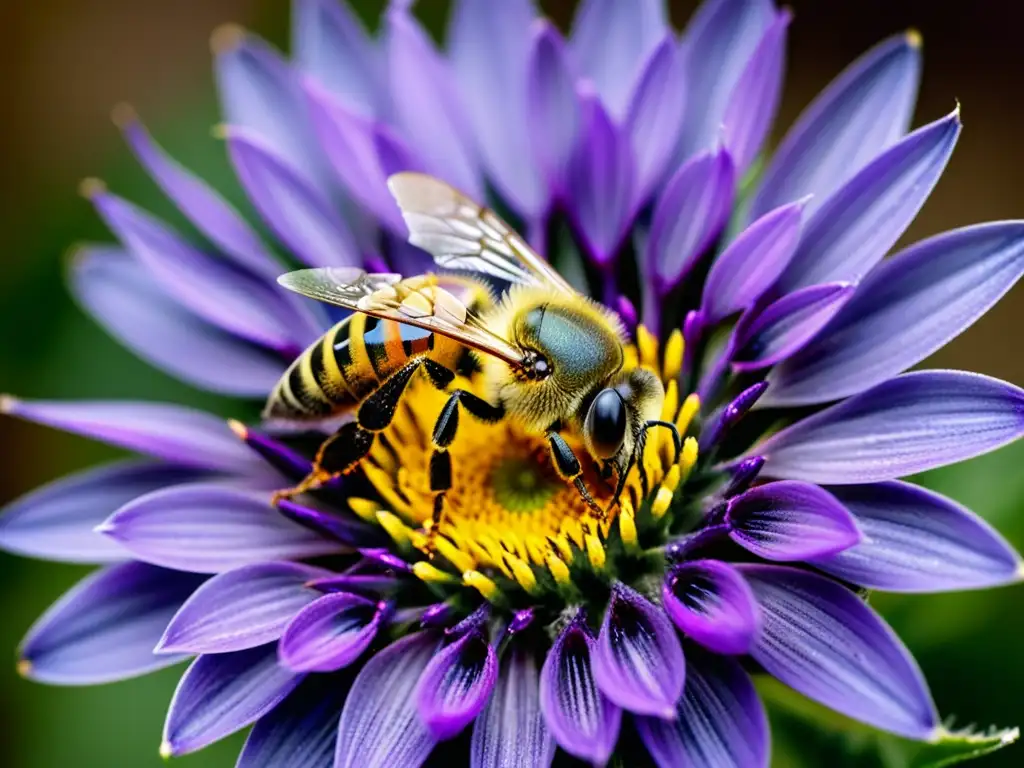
x=462 y=235
x=432 y=302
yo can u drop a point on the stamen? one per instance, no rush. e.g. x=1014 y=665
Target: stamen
x=647 y=345
x=364 y=508
x=454 y=555
x=691 y=405
x=523 y=574
x=483 y=585
x=595 y=552
x=689 y=457
x=673 y=362
x=627 y=526
x=431 y=574
x=559 y=570
x=396 y=529
x=662 y=501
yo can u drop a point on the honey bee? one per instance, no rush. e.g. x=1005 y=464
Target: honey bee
x=550 y=358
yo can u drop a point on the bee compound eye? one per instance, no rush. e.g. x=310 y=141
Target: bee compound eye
x=605 y=424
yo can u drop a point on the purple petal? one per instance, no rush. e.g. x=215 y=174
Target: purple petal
x=105 y=627
x=822 y=640
x=752 y=263
x=303 y=219
x=380 y=727
x=489 y=45
x=712 y=605
x=240 y=609
x=791 y=521
x=914 y=422
x=767 y=336
x=171 y=432
x=655 y=114
x=857 y=225
x=582 y=720
x=718 y=44
x=638 y=662
x=330 y=633
x=124 y=298
x=456 y=685
x=555 y=120
x=330 y=43
x=754 y=100
x=57 y=521
x=864 y=110
x=362 y=583
x=362 y=152
x=601 y=182
x=205 y=208
x=719 y=720
x=906 y=308
x=207 y=528
x=300 y=732
x=918 y=541
x=427 y=107
x=511 y=732
x=689 y=215
x=611 y=40
x=222 y=693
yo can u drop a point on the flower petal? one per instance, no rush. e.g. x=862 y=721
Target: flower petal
x=822 y=640
x=488 y=44
x=719 y=720
x=205 y=208
x=583 y=721
x=918 y=541
x=58 y=520
x=906 y=308
x=456 y=685
x=123 y=297
x=712 y=605
x=380 y=727
x=221 y=693
x=330 y=43
x=171 y=432
x=105 y=627
x=511 y=731
x=791 y=521
x=864 y=110
x=601 y=182
x=718 y=44
x=638 y=663
x=754 y=100
x=207 y=528
x=330 y=633
x=303 y=219
x=241 y=609
x=857 y=225
x=610 y=40
x=752 y=263
x=428 y=110
x=655 y=114
x=908 y=424
x=776 y=332
x=301 y=731
x=689 y=215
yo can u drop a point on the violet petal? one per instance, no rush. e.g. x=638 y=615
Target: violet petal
x=240 y=609
x=822 y=640
x=918 y=541
x=380 y=727
x=861 y=220
x=221 y=693
x=329 y=633
x=711 y=603
x=104 y=628
x=719 y=720
x=788 y=520
x=908 y=424
x=864 y=110
x=456 y=685
x=208 y=528
x=906 y=308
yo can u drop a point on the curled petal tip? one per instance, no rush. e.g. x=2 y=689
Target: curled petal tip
x=8 y=403
x=24 y=668
x=913 y=38
x=124 y=115
x=166 y=750
x=226 y=38
x=240 y=430
x=91 y=188
x=219 y=131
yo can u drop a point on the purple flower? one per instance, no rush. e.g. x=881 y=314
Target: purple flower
x=536 y=624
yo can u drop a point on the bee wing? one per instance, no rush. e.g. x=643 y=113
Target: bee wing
x=462 y=235
x=428 y=302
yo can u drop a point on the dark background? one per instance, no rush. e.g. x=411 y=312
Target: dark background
x=65 y=63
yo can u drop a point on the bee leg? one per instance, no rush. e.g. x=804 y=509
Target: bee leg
x=569 y=468
x=338 y=455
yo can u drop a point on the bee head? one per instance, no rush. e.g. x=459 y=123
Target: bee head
x=604 y=427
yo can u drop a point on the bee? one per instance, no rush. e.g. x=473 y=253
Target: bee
x=550 y=358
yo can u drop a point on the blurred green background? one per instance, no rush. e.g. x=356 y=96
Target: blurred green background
x=67 y=62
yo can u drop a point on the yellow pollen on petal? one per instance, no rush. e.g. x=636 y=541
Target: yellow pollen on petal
x=424 y=571
x=595 y=552
x=396 y=529
x=662 y=501
x=482 y=584
x=364 y=508
x=166 y=750
x=454 y=555
x=523 y=574
x=559 y=570
x=671 y=481
x=627 y=528
x=24 y=667
x=691 y=405
x=647 y=345
x=673 y=359
x=688 y=458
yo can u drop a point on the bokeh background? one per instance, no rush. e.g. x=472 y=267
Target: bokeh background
x=65 y=63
